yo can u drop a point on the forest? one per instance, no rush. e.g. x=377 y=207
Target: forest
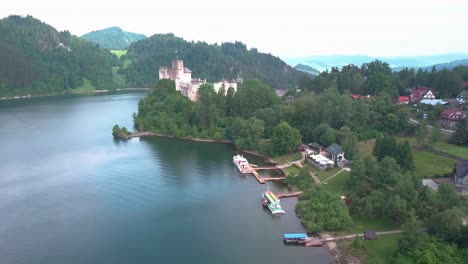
x=37 y=59
x=207 y=61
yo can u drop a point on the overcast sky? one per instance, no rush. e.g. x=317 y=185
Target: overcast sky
x=284 y=28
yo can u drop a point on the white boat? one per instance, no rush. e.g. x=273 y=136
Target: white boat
x=242 y=164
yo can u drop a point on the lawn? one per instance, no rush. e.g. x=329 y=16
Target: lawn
x=292 y=170
x=119 y=53
x=362 y=223
x=337 y=184
x=366 y=147
x=429 y=165
x=322 y=175
x=288 y=157
x=86 y=87
x=459 y=151
x=382 y=250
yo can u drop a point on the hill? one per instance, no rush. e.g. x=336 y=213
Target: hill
x=448 y=65
x=322 y=63
x=307 y=69
x=35 y=58
x=211 y=62
x=113 y=38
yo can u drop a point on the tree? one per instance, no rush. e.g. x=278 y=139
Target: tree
x=321 y=211
x=391 y=123
x=285 y=138
x=436 y=133
x=350 y=147
x=460 y=137
x=246 y=133
x=404 y=157
x=115 y=130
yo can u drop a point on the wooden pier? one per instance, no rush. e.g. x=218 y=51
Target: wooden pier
x=288 y=194
x=262 y=180
x=268 y=168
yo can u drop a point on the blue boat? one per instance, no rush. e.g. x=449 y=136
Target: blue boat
x=298 y=238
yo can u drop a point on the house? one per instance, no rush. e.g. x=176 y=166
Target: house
x=316 y=147
x=335 y=152
x=403 y=100
x=280 y=92
x=370 y=235
x=462 y=97
x=450 y=118
x=420 y=93
x=461 y=176
x=357 y=96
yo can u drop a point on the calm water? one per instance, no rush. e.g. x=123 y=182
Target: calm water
x=69 y=193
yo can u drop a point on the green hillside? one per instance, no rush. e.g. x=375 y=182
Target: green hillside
x=113 y=38
x=35 y=58
x=211 y=62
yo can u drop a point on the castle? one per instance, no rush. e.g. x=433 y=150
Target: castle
x=188 y=86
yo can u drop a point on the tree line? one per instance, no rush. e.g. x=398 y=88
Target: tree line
x=377 y=77
x=35 y=58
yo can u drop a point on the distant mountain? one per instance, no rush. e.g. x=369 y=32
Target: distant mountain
x=448 y=65
x=211 y=62
x=113 y=38
x=307 y=69
x=322 y=63
x=35 y=58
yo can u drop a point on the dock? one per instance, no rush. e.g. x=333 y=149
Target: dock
x=268 y=168
x=288 y=195
x=262 y=180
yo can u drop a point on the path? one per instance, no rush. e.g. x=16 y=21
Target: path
x=359 y=235
x=316 y=179
x=331 y=177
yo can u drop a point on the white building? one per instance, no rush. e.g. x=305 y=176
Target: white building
x=188 y=86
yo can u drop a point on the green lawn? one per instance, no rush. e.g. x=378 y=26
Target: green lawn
x=362 y=223
x=86 y=87
x=337 y=184
x=459 y=151
x=119 y=53
x=429 y=165
x=292 y=170
x=382 y=249
x=322 y=175
x=366 y=147
x=288 y=157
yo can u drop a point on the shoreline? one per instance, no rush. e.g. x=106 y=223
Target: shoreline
x=29 y=96
x=331 y=245
x=152 y=134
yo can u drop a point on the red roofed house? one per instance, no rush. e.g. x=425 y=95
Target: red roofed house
x=449 y=118
x=403 y=100
x=357 y=96
x=420 y=93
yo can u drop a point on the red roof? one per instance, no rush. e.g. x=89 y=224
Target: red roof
x=452 y=114
x=402 y=99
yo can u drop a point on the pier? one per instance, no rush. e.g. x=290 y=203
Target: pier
x=288 y=194
x=262 y=180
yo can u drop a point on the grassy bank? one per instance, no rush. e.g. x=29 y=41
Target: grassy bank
x=459 y=151
x=429 y=165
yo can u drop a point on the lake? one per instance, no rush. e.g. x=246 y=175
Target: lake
x=70 y=193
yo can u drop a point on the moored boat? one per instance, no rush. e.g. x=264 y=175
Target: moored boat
x=300 y=238
x=269 y=200
x=242 y=164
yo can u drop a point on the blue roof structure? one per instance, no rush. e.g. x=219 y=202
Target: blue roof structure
x=295 y=236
